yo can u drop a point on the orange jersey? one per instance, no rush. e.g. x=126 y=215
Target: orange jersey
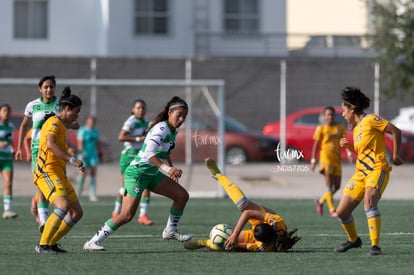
x=369 y=144
x=47 y=161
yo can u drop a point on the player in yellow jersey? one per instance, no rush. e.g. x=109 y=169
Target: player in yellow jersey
x=50 y=174
x=268 y=232
x=327 y=137
x=372 y=170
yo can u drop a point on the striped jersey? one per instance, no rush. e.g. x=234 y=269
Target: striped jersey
x=6 y=134
x=159 y=142
x=136 y=128
x=37 y=110
x=369 y=144
x=329 y=136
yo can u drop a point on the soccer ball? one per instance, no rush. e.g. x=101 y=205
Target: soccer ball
x=219 y=234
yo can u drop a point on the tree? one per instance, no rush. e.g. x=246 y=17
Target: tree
x=393 y=41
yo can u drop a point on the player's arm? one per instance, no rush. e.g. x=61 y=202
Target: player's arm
x=167 y=169
x=27 y=144
x=126 y=136
x=313 y=159
x=22 y=133
x=396 y=141
x=247 y=214
x=60 y=153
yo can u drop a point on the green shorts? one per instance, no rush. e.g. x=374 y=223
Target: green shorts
x=135 y=181
x=126 y=157
x=6 y=165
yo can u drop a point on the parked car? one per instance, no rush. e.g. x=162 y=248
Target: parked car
x=241 y=144
x=16 y=118
x=405 y=119
x=301 y=125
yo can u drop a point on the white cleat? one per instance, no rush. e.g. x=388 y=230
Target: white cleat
x=93 y=246
x=174 y=235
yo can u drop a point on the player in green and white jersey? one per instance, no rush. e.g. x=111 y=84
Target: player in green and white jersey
x=133 y=135
x=6 y=160
x=152 y=169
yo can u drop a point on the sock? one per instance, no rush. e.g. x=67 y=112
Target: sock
x=105 y=231
x=374 y=225
x=52 y=225
x=233 y=191
x=328 y=198
x=350 y=229
x=43 y=211
x=143 y=206
x=81 y=182
x=92 y=188
x=7 y=202
x=173 y=220
x=65 y=226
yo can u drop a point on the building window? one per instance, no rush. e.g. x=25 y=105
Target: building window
x=31 y=19
x=151 y=17
x=241 y=16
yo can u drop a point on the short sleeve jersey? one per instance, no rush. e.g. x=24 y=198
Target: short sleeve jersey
x=90 y=139
x=329 y=136
x=369 y=144
x=37 y=110
x=6 y=134
x=159 y=142
x=136 y=128
x=47 y=161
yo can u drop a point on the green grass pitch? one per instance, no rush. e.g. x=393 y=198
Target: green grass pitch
x=138 y=249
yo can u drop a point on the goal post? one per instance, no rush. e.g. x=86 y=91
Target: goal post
x=111 y=101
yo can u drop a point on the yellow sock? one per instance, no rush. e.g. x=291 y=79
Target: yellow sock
x=328 y=197
x=67 y=224
x=350 y=230
x=374 y=225
x=233 y=191
x=209 y=244
x=51 y=226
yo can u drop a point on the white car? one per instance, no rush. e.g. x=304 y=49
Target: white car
x=405 y=120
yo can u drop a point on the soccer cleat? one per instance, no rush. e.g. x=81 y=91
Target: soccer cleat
x=333 y=214
x=44 y=249
x=93 y=198
x=57 y=249
x=93 y=246
x=194 y=244
x=375 y=251
x=212 y=166
x=319 y=207
x=145 y=220
x=9 y=214
x=348 y=245
x=174 y=235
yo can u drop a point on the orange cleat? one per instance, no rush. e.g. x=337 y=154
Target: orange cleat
x=145 y=220
x=114 y=214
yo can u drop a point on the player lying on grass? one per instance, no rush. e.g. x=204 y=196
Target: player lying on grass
x=268 y=232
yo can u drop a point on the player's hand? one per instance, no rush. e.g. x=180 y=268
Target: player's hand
x=231 y=242
x=18 y=155
x=312 y=166
x=343 y=142
x=175 y=173
x=396 y=160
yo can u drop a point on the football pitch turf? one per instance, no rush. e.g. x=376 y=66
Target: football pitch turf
x=139 y=249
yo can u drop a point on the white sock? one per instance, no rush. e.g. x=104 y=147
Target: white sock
x=104 y=232
x=43 y=214
x=172 y=223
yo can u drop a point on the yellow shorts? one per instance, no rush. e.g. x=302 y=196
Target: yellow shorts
x=54 y=185
x=333 y=168
x=356 y=187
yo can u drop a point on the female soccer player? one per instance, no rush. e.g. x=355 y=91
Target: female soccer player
x=88 y=150
x=50 y=174
x=327 y=136
x=36 y=111
x=268 y=232
x=152 y=169
x=132 y=135
x=372 y=170
x=6 y=160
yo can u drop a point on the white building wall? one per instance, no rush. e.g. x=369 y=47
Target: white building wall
x=75 y=29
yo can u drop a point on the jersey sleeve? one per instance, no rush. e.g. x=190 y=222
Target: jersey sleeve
x=128 y=125
x=28 y=110
x=155 y=138
x=377 y=122
x=318 y=134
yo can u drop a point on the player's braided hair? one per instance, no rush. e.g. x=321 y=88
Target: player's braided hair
x=285 y=240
